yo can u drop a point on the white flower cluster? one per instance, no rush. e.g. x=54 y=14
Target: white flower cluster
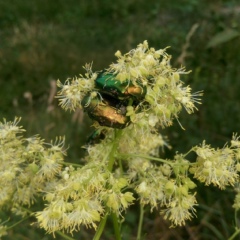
x=119 y=163
x=27 y=165
x=144 y=67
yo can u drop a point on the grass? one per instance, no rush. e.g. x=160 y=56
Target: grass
x=42 y=41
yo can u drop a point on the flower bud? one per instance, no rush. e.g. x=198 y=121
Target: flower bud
x=112 y=201
x=169 y=187
x=183 y=190
x=33 y=167
x=118 y=54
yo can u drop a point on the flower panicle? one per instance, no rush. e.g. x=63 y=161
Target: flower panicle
x=10 y=129
x=180 y=201
x=57 y=145
x=138 y=64
x=216 y=166
x=114 y=198
x=27 y=165
x=235 y=142
x=74 y=90
x=82 y=198
x=179 y=210
x=159 y=188
x=163 y=93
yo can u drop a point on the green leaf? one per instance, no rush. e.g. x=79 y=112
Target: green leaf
x=222 y=37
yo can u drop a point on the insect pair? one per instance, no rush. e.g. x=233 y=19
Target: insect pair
x=109 y=106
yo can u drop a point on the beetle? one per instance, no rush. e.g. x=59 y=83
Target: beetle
x=106 y=111
x=108 y=106
x=108 y=84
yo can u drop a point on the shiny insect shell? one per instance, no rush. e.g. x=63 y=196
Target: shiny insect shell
x=108 y=107
x=107 y=112
x=109 y=85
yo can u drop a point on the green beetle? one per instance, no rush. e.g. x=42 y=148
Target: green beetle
x=108 y=84
x=108 y=104
x=106 y=111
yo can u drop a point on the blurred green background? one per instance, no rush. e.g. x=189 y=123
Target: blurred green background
x=42 y=41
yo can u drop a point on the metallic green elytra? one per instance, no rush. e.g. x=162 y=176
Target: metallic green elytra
x=107 y=112
x=108 y=84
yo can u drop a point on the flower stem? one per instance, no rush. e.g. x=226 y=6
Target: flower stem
x=237 y=232
x=148 y=157
x=100 y=227
x=111 y=157
x=15 y=224
x=72 y=164
x=64 y=235
x=140 y=223
x=116 y=226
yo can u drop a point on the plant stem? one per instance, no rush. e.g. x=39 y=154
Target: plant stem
x=111 y=157
x=64 y=235
x=155 y=159
x=111 y=160
x=15 y=224
x=237 y=231
x=120 y=166
x=236 y=217
x=116 y=226
x=118 y=133
x=140 y=223
x=72 y=164
x=235 y=234
x=100 y=227
x=148 y=157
